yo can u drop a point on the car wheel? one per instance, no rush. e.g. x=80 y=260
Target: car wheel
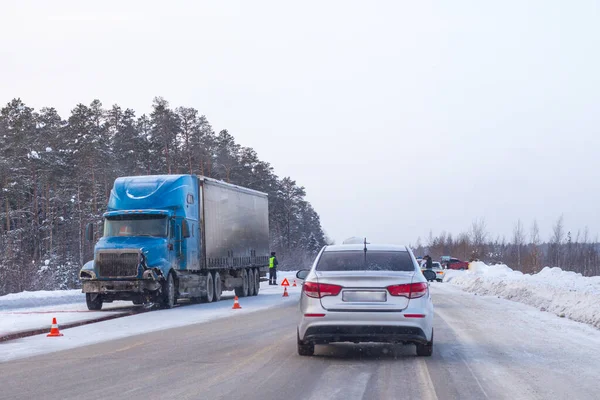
x=425 y=350
x=93 y=301
x=305 y=349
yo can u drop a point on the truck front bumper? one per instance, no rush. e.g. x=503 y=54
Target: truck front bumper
x=112 y=287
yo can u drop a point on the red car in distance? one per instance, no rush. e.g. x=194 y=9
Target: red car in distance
x=454 y=263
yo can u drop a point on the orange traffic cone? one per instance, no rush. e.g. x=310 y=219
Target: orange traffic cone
x=54 y=332
x=236 y=304
x=285 y=293
x=294 y=283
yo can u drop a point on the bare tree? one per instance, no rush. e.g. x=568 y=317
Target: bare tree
x=518 y=242
x=478 y=238
x=535 y=252
x=558 y=236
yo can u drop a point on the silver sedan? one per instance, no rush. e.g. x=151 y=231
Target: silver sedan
x=365 y=293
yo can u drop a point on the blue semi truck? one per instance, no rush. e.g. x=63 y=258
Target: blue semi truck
x=168 y=237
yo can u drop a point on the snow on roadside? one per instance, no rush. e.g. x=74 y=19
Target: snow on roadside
x=564 y=293
x=269 y=296
x=22 y=319
x=40 y=298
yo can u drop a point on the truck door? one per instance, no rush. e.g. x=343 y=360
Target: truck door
x=179 y=243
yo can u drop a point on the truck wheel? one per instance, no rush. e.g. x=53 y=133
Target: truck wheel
x=242 y=291
x=169 y=300
x=210 y=289
x=250 y=282
x=256 y=281
x=218 y=287
x=93 y=301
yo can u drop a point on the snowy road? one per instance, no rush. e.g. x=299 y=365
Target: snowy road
x=485 y=348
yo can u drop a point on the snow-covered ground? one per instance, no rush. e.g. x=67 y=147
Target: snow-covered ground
x=27 y=311
x=564 y=293
x=26 y=299
x=270 y=296
x=26 y=319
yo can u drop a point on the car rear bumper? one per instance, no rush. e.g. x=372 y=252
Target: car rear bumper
x=324 y=326
x=322 y=334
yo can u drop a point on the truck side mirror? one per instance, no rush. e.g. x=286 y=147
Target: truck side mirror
x=185 y=229
x=89 y=232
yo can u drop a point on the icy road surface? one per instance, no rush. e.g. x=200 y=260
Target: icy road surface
x=485 y=348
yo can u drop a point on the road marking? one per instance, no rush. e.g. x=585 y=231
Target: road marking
x=131 y=346
x=347 y=383
x=426 y=379
x=473 y=375
x=237 y=365
x=448 y=319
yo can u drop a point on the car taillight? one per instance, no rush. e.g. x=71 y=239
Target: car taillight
x=319 y=290
x=409 y=290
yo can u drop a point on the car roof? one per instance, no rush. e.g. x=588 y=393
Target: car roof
x=370 y=247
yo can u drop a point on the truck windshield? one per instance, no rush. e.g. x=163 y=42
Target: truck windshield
x=136 y=225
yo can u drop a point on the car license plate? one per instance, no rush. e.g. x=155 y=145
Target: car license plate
x=364 y=295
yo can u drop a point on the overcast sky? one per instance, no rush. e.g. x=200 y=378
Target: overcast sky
x=397 y=116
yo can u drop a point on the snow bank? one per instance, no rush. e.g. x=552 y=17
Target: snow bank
x=40 y=298
x=564 y=293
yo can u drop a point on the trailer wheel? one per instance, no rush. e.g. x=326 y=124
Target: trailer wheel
x=256 y=281
x=218 y=286
x=93 y=301
x=169 y=300
x=242 y=291
x=210 y=289
x=250 y=282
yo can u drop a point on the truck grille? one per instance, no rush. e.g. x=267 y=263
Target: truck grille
x=118 y=264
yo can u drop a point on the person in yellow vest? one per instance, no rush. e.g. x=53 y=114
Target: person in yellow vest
x=273 y=269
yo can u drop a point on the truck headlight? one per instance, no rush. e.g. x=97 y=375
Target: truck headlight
x=87 y=274
x=148 y=274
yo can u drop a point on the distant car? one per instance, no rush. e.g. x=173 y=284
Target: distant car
x=455 y=263
x=353 y=295
x=437 y=269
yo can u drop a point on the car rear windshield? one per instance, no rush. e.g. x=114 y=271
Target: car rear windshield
x=374 y=261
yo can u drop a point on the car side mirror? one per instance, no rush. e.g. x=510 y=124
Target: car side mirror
x=185 y=229
x=89 y=232
x=302 y=274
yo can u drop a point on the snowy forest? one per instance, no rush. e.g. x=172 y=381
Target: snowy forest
x=524 y=250
x=56 y=176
